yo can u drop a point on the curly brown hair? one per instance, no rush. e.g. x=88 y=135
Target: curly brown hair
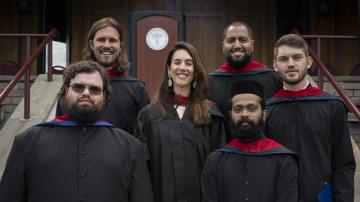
x=86 y=66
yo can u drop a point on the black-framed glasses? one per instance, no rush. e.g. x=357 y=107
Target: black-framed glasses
x=79 y=88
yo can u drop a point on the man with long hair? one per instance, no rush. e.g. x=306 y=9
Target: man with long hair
x=105 y=45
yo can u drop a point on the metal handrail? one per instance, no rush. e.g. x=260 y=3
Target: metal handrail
x=318 y=50
x=334 y=83
x=25 y=68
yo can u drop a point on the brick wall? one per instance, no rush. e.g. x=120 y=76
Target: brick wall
x=12 y=100
x=351 y=85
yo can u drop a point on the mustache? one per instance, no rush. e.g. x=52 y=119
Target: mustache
x=110 y=49
x=86 y=98
x=244 y=120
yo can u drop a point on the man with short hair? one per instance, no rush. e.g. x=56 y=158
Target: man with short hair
x=105 y=45
x=251 y=167
x=238 y=47
x=313 y=124
x=76 y=157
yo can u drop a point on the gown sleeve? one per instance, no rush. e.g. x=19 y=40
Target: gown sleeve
x=287 y=184
x=208 y=180
x=12 y=185
x=217 y=133
x=144 y=99
x=142 y=131
x=343 y=162
x=140 y=188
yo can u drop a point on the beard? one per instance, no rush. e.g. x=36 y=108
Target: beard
x=302 y=75
x=84 y=114
x=107 y=60
x=249 y=132
x=238 y=63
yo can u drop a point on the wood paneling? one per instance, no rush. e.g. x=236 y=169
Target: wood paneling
x=9 y=24
x=204 y=32
x=205 y=21
x=13 y=20
x=340 y=20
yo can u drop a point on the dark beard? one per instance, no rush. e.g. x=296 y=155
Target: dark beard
x=248 y=133
x=238 y=64
x=83 y=114
x=301 y=78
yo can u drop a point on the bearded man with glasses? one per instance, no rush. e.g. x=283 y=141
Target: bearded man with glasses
x=76 y=157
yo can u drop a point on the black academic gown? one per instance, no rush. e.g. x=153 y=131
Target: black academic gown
x=221 y=80
x=128 y=97
x=177 y=151
x=62 y=161
x=313 y=124
x=261 y=171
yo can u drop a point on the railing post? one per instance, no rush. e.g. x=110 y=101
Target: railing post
x=24 y=70
x=49 y=67
x=27 y=82
x=319 y=73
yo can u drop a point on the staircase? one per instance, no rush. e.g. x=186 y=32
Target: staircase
x=43 y=103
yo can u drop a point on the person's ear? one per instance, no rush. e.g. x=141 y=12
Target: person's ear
x=264 y=114
x=309 y=60
x=252 y=45
x=275 y=65
x=222 y=44
x=91 y=45
x=168 y=71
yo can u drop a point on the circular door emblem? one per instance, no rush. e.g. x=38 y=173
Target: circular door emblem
x=157 y=38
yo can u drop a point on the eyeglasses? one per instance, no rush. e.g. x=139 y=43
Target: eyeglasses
x=79 y=88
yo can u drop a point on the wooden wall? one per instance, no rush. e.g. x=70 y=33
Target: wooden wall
x=204 y=22
x=341 y=19
x=17 y=19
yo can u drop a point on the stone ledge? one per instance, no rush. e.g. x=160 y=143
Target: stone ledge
x=341 y=78
x=40 y=106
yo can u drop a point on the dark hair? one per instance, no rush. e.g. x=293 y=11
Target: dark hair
x=86 y=66
x=261 y=102
x=238 y=24
x=88 y=54
x=199 y=106
x=292 y=40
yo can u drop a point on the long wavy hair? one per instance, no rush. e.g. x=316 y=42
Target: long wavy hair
x=122 y=63
x=198 y=103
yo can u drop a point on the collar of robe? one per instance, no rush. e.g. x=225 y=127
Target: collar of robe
x=251 y=66
x=113 y=73
x=178 y=99
x=261 y=145
x=307 y=92
x=65 y=120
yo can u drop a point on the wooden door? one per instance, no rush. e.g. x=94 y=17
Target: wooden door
x=152 y=36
